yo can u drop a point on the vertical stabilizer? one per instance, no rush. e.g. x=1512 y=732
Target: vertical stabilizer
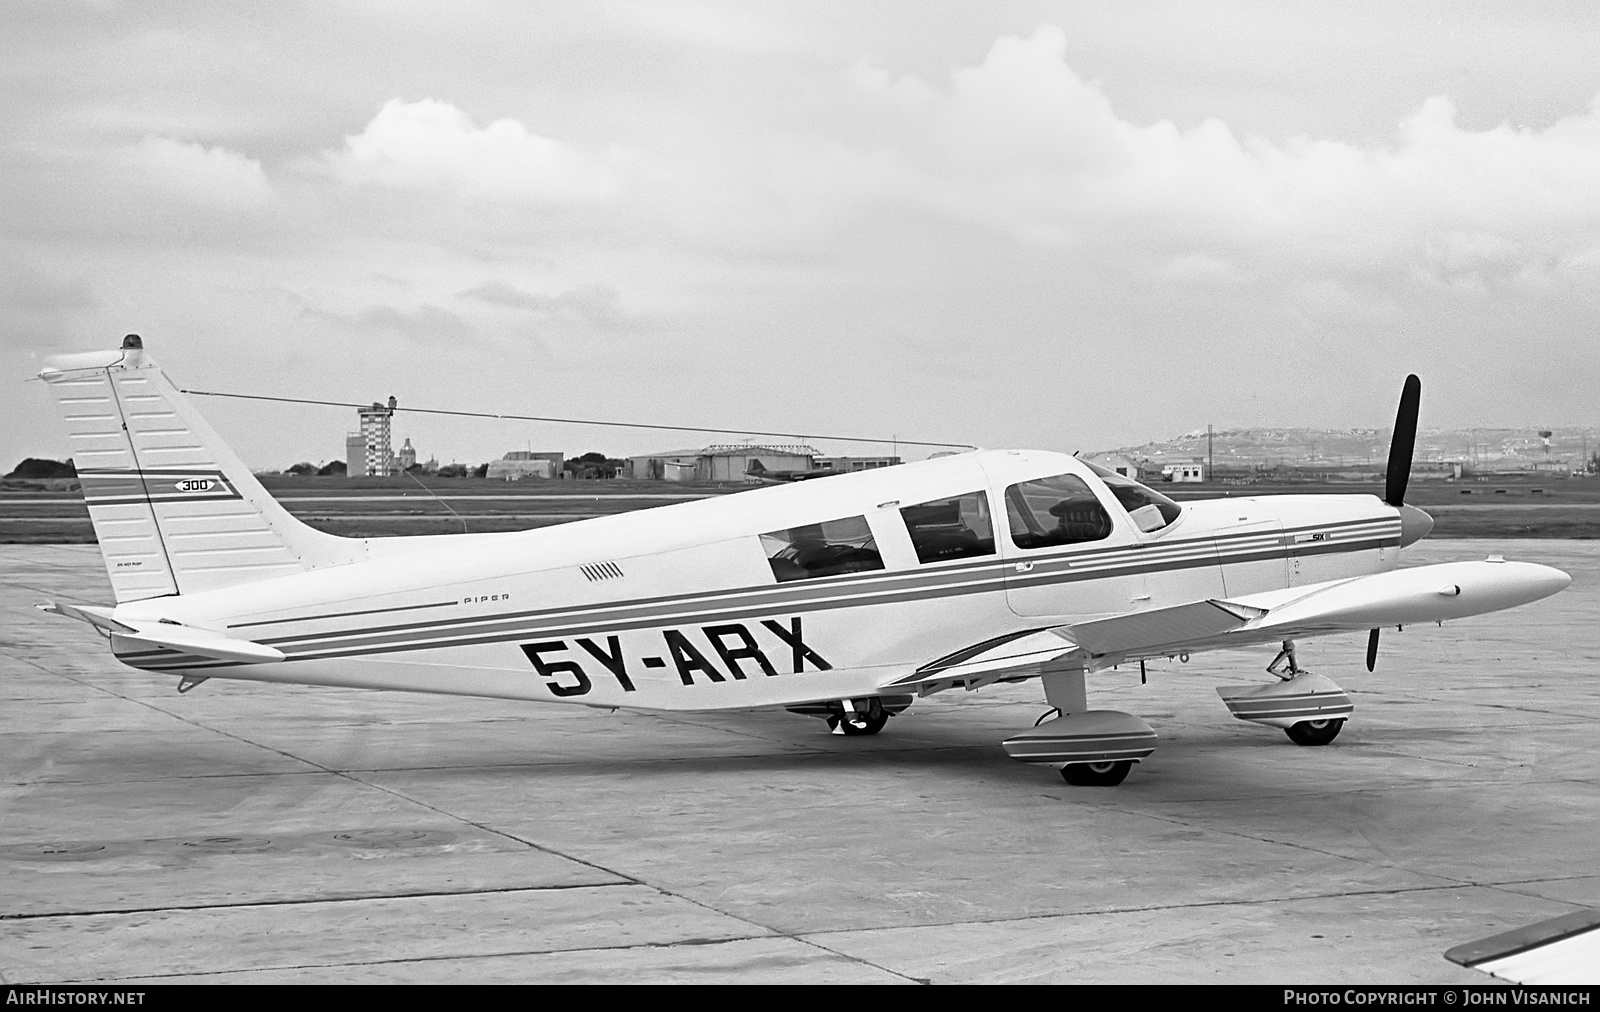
x=174 y=510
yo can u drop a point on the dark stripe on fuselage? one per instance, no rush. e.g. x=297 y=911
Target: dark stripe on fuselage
x=586 y=621
x=783 y=595
x=848 y=591
x=346 y=614
x=1074 y=556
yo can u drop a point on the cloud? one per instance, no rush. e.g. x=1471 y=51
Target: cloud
x=431 y=145
x=30 y=290
x=1023 y=143
x=426 y=324
x=196 y=174
x=597 y=305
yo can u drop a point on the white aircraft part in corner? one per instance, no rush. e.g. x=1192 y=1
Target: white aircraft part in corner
x=846 y=598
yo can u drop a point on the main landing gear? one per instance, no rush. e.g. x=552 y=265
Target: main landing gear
x=1092 y=748
x=1108 y=774
x=1311 y=709
x=854 y=719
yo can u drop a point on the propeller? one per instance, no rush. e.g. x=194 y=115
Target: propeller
x=1403 y=442
x=1414 y=523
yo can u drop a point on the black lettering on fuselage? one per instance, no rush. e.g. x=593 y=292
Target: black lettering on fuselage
x=555 y=669
x=688 y=659
x=802 y=653
x=613 y=661
x=731 y=656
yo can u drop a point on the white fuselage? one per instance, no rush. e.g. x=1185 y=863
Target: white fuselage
x=677 y=608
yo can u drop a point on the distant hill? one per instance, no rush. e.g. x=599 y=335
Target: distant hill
x=1361 y=449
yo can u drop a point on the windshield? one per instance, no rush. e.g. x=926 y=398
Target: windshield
x=1149 y=509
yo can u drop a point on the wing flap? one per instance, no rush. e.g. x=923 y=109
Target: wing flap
x=1015 y=655
x=1162 y=628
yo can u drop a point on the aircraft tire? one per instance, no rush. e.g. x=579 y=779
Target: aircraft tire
x=1314 y=732
x=1096 y=774
x=861 y=723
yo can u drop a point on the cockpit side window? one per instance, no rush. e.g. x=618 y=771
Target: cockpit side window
x=826 y=549
x=955 y=528
x=1149 y=509
x=1061 y=510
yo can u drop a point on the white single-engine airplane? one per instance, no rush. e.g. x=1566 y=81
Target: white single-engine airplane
x=846 y=599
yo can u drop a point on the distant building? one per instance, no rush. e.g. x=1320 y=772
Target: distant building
x=732 y=462
x=1120 y=463
x=720 y=462
x=408 y=456
x=355 y=455
x=370 y=452
x=1195 y=472
x=843 y=464
x=519 y=464
x=668 y=465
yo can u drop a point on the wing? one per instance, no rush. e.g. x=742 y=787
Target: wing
x=1562 y=950
x=1435 y=593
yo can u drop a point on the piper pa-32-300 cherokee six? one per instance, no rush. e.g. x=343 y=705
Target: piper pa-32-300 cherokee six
x=846 y=598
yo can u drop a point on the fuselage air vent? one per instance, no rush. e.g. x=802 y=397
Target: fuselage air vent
x=602 y=571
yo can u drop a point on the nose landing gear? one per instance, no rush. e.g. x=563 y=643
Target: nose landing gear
x=1310 y=708
x=1314 y=732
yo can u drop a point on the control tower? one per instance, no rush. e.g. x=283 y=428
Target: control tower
x=373 y=442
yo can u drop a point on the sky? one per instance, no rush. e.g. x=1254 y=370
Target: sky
x=1056 y=225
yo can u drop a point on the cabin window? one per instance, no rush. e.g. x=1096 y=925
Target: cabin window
x=1061 y=510
x=955 y=528
x=1149 y=509
x=826 y=549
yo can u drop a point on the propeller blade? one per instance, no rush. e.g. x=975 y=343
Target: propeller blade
x=1403 y=443
x=1372 y=649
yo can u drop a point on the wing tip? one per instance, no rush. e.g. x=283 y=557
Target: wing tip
x=1524 y=939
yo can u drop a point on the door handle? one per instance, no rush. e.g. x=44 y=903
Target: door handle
x=1024 y=567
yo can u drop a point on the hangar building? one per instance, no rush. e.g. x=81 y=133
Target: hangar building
x=720 y=462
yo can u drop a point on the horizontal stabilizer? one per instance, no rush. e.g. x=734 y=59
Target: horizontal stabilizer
x=186 y=639
x=204 y=642
x=98 y=617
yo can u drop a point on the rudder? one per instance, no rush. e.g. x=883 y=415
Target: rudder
x=175 y=511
